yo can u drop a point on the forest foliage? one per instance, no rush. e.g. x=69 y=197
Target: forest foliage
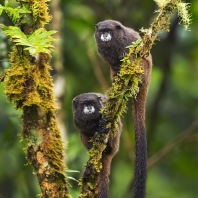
x=171 y=110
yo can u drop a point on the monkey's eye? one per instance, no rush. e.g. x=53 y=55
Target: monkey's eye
x=118 y=27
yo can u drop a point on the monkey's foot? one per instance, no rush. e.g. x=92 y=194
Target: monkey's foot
x=89 y=145
x=87 y=173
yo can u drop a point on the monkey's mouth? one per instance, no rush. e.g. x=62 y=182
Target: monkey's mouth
x=88 y=109
x=105 y=37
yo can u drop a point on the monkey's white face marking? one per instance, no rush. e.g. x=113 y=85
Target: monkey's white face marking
x=106 y=37
x=88 y=109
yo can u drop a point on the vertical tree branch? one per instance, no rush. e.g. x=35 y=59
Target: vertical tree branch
x=57 y=64
x=29 y=85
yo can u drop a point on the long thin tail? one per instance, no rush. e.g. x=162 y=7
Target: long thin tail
x=140 y=145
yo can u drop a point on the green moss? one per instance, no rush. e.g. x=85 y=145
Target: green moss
x=40 y=11
x=96 y=154
x=29 y=85
x=183 y=12
x=16 y=75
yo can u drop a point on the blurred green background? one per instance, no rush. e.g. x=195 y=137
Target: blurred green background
x=172 y=107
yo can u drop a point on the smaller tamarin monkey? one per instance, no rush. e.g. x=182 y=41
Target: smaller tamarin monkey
x=112 y=38
x=87 y=118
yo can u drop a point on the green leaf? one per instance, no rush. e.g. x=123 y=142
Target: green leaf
x=72 y=171
x=40 y=41
x=16 y=35
x=14 y=13
x=135 y=43
x=72 y=178
x=1 y=9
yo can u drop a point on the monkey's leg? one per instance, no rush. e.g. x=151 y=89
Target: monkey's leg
x=103 y=182
x=110 y=151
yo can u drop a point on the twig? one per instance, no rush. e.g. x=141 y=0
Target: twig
x=166 y=149
x=97 y=70
x=192 y=138
x=4 y=61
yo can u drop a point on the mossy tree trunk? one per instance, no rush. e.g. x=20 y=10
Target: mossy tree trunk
x=29 y=85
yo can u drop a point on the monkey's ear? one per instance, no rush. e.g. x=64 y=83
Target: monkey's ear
x=99 y=98
x=74 y=102
x=96 y=26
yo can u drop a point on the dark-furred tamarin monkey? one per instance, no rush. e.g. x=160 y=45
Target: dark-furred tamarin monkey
x=88 y=119
x=112 y=38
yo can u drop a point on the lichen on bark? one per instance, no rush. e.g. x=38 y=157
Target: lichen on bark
x=29 y=85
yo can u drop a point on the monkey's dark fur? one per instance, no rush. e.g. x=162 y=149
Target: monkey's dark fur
x=112 y=38
x=114 y=49
x=87 y=118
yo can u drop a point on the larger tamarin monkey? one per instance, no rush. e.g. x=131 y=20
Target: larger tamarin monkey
x=87 y=118
x=112 y=38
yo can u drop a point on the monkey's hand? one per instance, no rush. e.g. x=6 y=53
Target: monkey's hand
x=122 y=55
x=102 y=126
x=116 y=68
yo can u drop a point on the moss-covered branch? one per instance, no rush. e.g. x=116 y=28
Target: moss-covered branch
x=126 y=85
x=29 y=85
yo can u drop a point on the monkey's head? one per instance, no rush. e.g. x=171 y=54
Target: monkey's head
x=86 y=111
x=108 y=32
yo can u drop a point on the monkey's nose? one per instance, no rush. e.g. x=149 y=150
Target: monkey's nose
x=105 y=36
x=89 y=109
